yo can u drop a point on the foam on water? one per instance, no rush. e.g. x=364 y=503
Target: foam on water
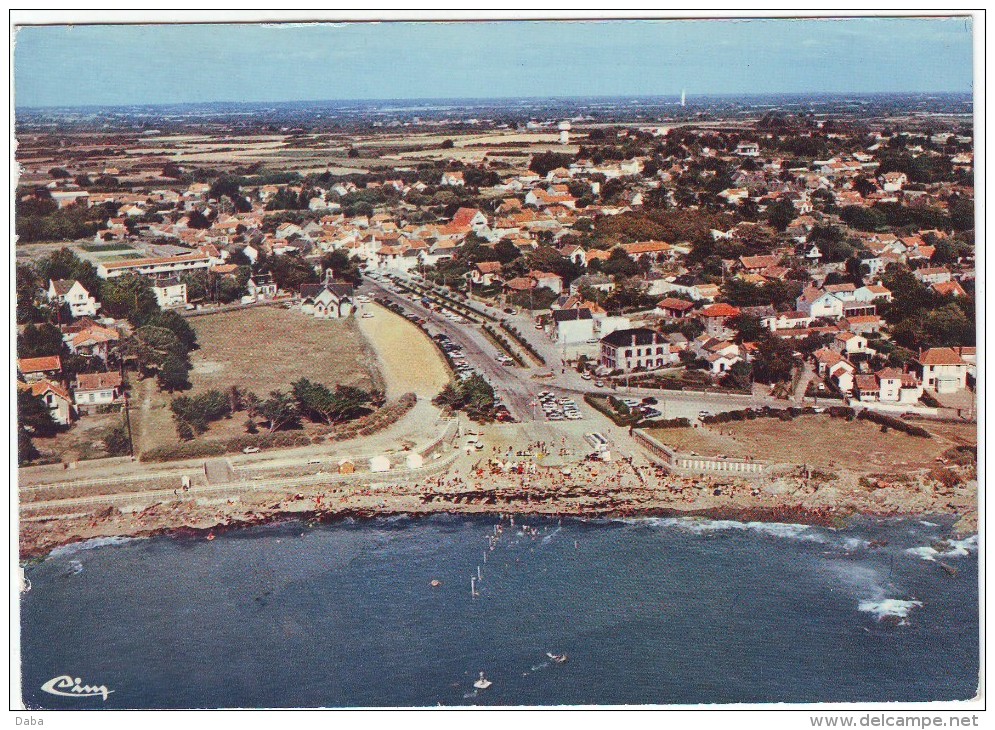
x=888 y=608
x=91 y=544
x=703 y=526
x=955 y=549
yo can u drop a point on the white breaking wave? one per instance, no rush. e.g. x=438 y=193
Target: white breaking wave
x=888 y=607
x=702 y=526
x=546 y=540
x=955 y=548
x=91 y=544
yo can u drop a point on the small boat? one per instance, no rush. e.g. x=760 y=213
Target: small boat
x=558 y=658
x=482 y=682
x=435 y=583
x=951 y=570
x=210 y=536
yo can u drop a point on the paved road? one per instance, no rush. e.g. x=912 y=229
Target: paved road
x=518 y=385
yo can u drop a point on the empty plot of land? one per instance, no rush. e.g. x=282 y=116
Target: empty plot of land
x=820 y=441
x=265 y=348
x=409 y=361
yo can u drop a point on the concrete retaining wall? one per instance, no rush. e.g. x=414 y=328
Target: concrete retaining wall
x=681 y=463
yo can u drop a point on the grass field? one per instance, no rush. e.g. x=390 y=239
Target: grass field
x=259 y=350
x=821 y=441
x=265 y=348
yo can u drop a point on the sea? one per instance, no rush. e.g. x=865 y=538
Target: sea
x=652 y=611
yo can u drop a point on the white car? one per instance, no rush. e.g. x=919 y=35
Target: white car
x=251 y=450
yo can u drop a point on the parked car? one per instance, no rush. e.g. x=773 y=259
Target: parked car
x=251 y=450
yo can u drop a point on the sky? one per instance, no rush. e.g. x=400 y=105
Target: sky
x=159 y=64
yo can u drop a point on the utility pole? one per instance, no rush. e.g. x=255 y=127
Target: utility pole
x=127 y=419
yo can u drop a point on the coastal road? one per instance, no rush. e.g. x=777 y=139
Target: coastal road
x=518 y=386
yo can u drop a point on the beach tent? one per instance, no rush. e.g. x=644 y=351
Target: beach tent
x=415 y=460
x=380 y=463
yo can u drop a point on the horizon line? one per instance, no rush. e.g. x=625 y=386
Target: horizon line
x=676 y=95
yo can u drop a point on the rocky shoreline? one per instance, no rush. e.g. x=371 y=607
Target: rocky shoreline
x=39 y=538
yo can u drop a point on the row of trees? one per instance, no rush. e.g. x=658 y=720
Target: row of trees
x=281 y=410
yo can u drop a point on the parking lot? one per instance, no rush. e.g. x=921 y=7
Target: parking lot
x=558 y=409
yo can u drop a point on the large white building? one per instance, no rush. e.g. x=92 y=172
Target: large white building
x=164 y=266
x=638 y=348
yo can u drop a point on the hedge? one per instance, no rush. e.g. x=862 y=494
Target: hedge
x=602 y=406
x=749 y=414
x=517 y=336
x=665 y=423
x=896 y=423
x=502 y=344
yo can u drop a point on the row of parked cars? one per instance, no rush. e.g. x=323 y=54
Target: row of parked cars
x=456 y=355
x=464 y=370
x=645 y=407
x=558 y=409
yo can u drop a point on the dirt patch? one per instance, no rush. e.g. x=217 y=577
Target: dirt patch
x=409 y=361
x=820 y=441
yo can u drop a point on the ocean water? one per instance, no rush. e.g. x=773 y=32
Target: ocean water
x=648 y=611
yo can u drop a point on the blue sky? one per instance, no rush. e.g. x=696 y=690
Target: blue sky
x=144 y=64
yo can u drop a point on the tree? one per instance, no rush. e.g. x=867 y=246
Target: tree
x=447 y=144
x=229 y=290
x=962 y=214
x=39 y=341
x=116 y=441
x=748 y=328
x=197 y=285
x=620 y=264
x=542 y=162
x=129 y=297
x=781 y=213
x=34 y=416
x=174 y=373
x=64 y=264
x=179 y=326
x=291 y=272
x=773 y=361
x=863 y=219
x=171 y=169
x=26 y=451
x=59 y=173
x=343 y=267
x=149 y=347
x=505 y=251
x=739 y=376
x=474 y=396
x=280 y=410
x=193 y=415
x=198 y=220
